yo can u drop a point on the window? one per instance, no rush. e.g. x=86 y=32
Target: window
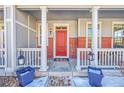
x=118 y=35
x=89 y=35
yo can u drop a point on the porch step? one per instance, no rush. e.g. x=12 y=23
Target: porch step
x=76 y=73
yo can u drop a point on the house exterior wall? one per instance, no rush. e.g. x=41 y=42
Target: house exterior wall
x=75 y=40
x=79 y=40
x=21 y=36
x=106 y=30
x=72 y=36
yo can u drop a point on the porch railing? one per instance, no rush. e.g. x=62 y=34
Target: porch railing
x=108 y=58
x=2 y=57
x=32 y=57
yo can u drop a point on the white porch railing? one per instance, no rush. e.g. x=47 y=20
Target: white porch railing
x=32 y=57
x=107 y=58
x=2 y=57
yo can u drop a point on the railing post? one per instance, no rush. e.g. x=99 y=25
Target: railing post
x=78 y=60
x=10 y=37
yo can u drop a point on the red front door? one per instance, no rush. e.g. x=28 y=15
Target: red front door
x=61 y=42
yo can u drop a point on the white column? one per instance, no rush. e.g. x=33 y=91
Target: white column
x=44 y=38
x=95 y=33
x=10 y=37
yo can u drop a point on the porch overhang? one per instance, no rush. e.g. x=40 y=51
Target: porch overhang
x=70 y=7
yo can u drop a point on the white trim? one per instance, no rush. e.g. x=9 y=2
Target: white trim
x=54 y=40
x=86 y=34
x=115 y=22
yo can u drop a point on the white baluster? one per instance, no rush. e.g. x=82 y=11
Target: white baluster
x=25 y=56
x=84 y=58
x=105 y=58
x=108 y=58
x=35 y=52
x=39 y=58
x=111 y=58
x=102 y=58
x=114 y=58
x=117 y=59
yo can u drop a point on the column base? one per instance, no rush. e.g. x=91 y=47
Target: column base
x=44 y=68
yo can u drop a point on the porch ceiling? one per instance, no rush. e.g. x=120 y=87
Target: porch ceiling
x=75 y=14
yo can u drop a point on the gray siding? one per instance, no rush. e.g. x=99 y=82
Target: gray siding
x=32 y=39
x=21 y=17
x=21 y=37
x=22 y=32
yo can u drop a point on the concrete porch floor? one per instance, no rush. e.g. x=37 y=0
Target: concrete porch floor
x=62 y=66
x=107 y=81
x=65 y=68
